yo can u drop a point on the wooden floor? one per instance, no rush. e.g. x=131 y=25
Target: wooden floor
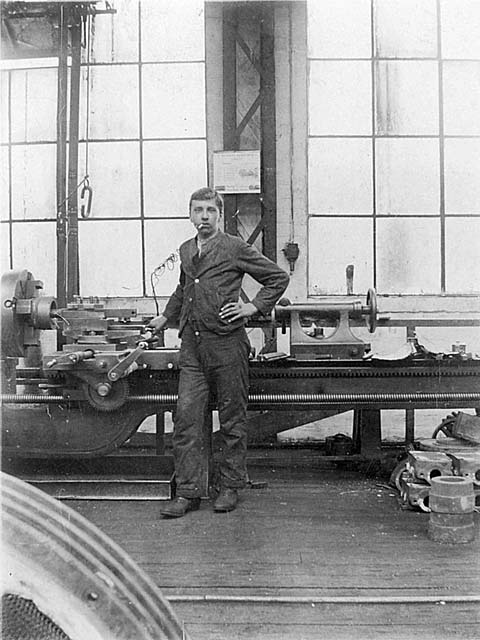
x=319 y=553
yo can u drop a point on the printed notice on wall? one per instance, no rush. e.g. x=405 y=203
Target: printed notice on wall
x=236 y=171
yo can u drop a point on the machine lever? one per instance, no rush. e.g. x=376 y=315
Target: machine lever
x=127 y=364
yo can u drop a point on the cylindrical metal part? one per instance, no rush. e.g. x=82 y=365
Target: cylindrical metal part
x=451 y=494
x=458 y=528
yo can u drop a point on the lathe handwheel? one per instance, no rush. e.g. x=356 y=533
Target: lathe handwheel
x=373 y=310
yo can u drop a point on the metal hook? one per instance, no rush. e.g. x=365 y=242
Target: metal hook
x=88 y=192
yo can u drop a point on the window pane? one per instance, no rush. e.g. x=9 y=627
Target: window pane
x=34 y=181
x=35 y=249
x=339 y=29
x=332 y=247
x=110 y=258
x=4 y=100
x=407 y=98
x=173 y=169
x=461 y=87
x=174 y=100
x=462 y=248
x=462 y=175
x=34 y=105
x=408 y=177
x=4 y=184
x=460 y=28
x=4 y=248
x=113 y=111
x=340 y=100
x=173 y=30
x=408 y=255
x=406 y=28
x=115 y=36
x=340 y=175
x=162 y=238
x=114 y=174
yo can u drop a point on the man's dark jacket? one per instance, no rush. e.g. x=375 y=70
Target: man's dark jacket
x=210 y=280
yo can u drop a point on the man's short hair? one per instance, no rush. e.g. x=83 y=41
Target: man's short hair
x=206 y=193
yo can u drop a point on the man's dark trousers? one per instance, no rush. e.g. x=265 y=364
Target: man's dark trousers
x=218 y=363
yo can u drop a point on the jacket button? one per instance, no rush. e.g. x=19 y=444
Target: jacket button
x=197 y=333
x=196 y=280
x=190 y=299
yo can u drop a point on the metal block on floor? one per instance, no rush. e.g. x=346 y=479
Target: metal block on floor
x=467 y=427
x=425 y=465
x=413 y=493
x=467 y=464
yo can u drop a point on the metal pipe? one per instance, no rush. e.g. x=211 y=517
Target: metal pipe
x=61 y=159
x=278 y=398
x=72 y=217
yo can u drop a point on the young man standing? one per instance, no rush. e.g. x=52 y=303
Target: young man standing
x=214 y=353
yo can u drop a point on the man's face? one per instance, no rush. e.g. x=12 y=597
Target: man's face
x=206 y=217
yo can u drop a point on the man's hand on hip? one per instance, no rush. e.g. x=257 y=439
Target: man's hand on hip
x=236 y=310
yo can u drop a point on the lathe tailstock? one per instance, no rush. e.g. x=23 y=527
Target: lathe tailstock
x=89 y=396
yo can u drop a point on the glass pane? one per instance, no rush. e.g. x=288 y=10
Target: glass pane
x=407 y=98
x=340 y=175
x=4 y=185
x=4 y=247
x=115 y=37
x=339 y=29
x=461 y=88
x=408 y=255
x=110 y=258
x=174 y=100
x=173 y=169
x=408 y=176
x=335 y=243
x=406 y=28
x=340 y=100
x=162 y=239
x=35 y=249
x=4 y=100
x=460 y=28
x=173 y=30
x=462 y=248
x=114 y=174
x=34 y=181
x=462 y=175
x=34 y=105
x=113 y=102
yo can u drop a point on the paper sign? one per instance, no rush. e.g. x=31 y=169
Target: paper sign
x=236 y=171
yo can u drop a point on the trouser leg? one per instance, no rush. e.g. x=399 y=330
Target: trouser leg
x=188 y=442
x=231 y=380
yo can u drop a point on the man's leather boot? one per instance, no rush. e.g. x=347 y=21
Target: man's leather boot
x=179 y=506
x=226 y=501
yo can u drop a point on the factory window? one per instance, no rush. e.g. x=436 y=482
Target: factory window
x=142 y=143
x=393 y=147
